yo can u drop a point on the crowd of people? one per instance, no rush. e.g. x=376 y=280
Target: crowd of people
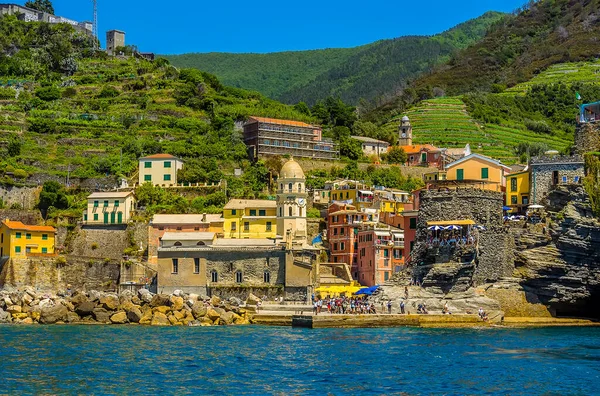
x=451 y=240
x=344 y=305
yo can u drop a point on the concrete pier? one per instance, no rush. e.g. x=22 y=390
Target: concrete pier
x=443 y=321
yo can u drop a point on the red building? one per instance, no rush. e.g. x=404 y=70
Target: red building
x=380 y=255
x=343 y=223
x=424 y=155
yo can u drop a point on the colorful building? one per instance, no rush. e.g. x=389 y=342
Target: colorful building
x=518 y=191
x=18 y=240
x=159 y=169
x=424 y=155
x=478 y=171
x=550 y=171
x=380 y=255
x=269 y=136
x=250 y=219
x=343 y=223
x=353 y=193
x=109 y=208
x=179 y=224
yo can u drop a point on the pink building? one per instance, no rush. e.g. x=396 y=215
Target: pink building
x=380 y=255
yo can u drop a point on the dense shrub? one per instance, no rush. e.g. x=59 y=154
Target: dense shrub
x=48 y=93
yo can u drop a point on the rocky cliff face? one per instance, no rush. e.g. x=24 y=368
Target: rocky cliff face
x=530 y=270
x=561 y=266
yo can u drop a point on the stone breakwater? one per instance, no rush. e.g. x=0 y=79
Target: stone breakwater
x=178 y=309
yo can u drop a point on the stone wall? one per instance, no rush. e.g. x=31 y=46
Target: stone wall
x=587 y=137
x=99 y=243
x=542 y=174
x=484 y=208
x=25 y=197
x=31 y=217
x=52 y=274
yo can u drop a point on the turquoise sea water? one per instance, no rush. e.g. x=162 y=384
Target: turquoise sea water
x=272 y=360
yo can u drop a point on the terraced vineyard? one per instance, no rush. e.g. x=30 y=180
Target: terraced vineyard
x=445 y=122
x=111 y=111
x=568 y=73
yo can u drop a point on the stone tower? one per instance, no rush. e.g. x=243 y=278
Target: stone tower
x=114 y=39
x=405 y=132
x=291 y=203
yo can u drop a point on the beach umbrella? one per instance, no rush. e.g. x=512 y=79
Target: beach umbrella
x=435 y=228
x=535 y=207
x=506 y=208
x=453 y=228
x=480 y=227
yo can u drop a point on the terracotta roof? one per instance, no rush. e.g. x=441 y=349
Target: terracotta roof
x=250 y=203
x=159 y=156
x=17 y=225
x=417 y=148
x=282 y=122
x=369 y=140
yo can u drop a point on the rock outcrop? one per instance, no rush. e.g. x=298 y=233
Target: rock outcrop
x=27 y=307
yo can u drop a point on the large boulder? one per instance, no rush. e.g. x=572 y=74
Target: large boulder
x=72 y=317
x=134 y=315
x=145 y=295
x=95 y=295
x=46 y=302
x=85 y=308
x=146 y=317
x=119 y=318
x=27 y=299
x=235 y=301
x=198 y=310
x=53 y=314
x=160 y=319
x=14 y=309
x=78 y=298
x=215 y=301
x=136 y=300
x=178 y=293
x=228 y=317
x=252 y=300
x=4 y=316
x=212 y=314
x=110 y=302
x=160 y=300
x=101 y=315
x=176 y=303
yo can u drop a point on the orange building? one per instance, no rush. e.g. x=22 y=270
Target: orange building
x=343 y=223
x=424 y=155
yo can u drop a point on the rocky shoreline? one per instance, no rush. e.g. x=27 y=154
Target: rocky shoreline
x=144 y=308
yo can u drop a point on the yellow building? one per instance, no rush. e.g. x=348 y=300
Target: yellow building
x=20 y=240
x=250 y=218
x=108 y=208
x=434 y=176
x=353 y=193
x=478 y=171
x=517 y=190
x=159 y=169
x=391 y=201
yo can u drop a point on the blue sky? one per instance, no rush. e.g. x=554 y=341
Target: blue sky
x=173 y=27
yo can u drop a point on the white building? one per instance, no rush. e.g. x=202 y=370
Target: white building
x=372 y=146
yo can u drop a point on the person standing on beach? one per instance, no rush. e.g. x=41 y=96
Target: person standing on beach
x=402 y=307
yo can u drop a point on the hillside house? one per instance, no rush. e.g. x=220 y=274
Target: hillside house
x=372 y=146
x=18 y=240
x=477 y=171
x=159 y=169
x=109 y=208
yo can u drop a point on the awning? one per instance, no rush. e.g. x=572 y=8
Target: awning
x=365 y=192
x=450 y=222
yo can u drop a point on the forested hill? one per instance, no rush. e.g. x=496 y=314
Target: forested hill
x=370 y=72
x=544 y=33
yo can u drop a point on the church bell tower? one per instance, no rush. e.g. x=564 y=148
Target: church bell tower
x=405 y=132
x=291 y=202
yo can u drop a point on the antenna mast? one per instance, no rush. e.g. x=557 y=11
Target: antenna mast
x=95 y=27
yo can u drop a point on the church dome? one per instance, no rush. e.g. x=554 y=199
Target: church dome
x=291 y=170
x=405 y=118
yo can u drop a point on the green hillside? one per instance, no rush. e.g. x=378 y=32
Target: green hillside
x=445 y=122
x=545 y=33
x=371 y=72
x=565 y=73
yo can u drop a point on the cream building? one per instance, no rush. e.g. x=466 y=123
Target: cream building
x=159 y=169
x=291 y=202
x=109 y=208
